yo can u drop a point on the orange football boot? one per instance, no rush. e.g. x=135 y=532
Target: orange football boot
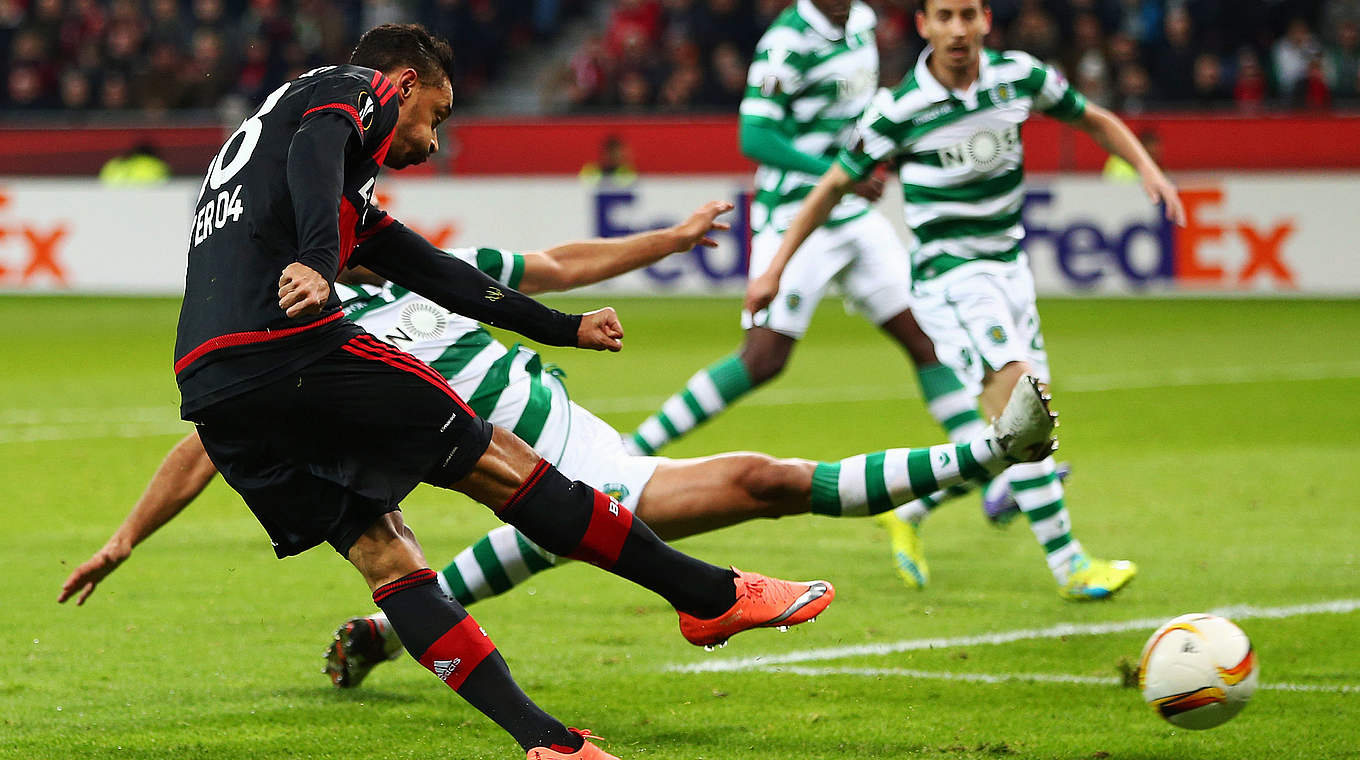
x=587 y=751
x=761 y=603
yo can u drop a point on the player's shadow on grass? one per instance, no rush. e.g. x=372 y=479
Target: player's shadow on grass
x=324 y=693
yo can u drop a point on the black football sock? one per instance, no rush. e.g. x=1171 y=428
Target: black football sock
x=440 y=634
x=571 y=519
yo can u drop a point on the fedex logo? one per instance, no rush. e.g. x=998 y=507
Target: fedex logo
x=1214 y=250
x=29 y=253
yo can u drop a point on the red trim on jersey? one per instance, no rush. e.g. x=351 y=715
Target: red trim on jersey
x=349 y=219
x=245 y=338
x=419 y=577
x=347 y=108
x=411 y=361
x=368 y=347
x=365 y=234
x=527 y=485
x=386 y=89
x=609 y=526
x=458 y=652
x=380 y=154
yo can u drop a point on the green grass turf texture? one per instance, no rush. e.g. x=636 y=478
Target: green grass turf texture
x=1230 y=488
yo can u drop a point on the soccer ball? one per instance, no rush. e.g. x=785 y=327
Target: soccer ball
x=1197 y=671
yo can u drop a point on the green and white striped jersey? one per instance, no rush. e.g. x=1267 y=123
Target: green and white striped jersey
x=960 y=156
x=510 y=387
x=812 y=80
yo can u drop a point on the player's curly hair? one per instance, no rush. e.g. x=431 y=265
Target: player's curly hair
x=392 y=46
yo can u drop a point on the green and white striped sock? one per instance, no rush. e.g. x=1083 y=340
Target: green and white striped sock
x=956 y=411
x=1039 y=492
x=709 y=392
x=496 y=563
x=950 y=403
x=867 y=484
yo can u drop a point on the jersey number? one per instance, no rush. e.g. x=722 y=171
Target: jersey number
x=220 y=174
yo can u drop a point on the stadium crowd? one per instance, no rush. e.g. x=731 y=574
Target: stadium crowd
x=168 y=55
x=663 y=56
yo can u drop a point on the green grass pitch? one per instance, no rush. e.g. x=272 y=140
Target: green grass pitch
x=1214 y=442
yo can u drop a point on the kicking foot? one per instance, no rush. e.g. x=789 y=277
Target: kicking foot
x=907 y=553
x=761 y=603
x=359 y=645
x=1024 y=431
x=1003 y=508
x=587 y=751
x=1092 y=579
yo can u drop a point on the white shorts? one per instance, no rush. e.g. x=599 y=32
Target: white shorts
x=595 y=456
x=982 y=316
x=864 y=257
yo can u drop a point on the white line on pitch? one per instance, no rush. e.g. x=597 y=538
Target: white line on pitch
x=1099 y=383
x=26 y=425
x=95 y=430
x=946 y=675
x=1236 y=612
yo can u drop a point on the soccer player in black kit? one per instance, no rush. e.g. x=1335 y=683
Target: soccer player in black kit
x=271 y=374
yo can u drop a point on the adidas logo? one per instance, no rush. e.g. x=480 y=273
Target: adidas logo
x=444 y=668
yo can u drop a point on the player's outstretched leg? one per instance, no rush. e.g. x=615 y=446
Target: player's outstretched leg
x=687 y=497
x=572 y=519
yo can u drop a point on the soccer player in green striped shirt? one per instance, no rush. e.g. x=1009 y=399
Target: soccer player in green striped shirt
x=953 y=128
x=812 y=75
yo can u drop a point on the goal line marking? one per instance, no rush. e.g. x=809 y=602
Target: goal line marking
x=768 y=661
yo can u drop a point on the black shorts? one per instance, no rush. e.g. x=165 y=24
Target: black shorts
x=323 y=453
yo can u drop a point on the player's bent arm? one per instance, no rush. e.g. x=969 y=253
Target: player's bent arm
x=1112 y=134
x=575 y=264
x=765 y=143
x=182 y=476
x=816 y=209
x=409 y=260
x=316 y=176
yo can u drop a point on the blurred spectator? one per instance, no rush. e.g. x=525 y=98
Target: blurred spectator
x=1036 y=33
x=76 y=93
x=635 y=92
x=25 y=90
x=635 y=22
x=680 y=91
x=1119 y=171
x=729 y=77
x=113 y=92
x=204 y=78
x=1134 y=89
x=1173 y=62
x=1141 y=20
x=1314 y=91
x=1210 y=88
x=614 y=165
x=1251 y=88
x=1292 y=54
x=377 y=12
x=141 y=165
x=1343 y=57
x=167 y=25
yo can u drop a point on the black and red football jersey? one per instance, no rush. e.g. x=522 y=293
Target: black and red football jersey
x=266 y=203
